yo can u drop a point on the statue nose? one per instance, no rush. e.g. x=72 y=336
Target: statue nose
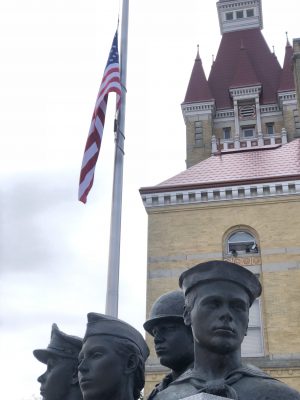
x=82 y=366
x=226 y=314
x=41 y=378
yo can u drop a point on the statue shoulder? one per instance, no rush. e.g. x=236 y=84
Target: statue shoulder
x=255 y=388
x=177 y=391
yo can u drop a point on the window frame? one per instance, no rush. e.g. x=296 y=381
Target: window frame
x=270 y=125
x=248 y=128
x=247 y=12
x=227 y=14
x=198 y=131
x=226 y=130
x=241 y=253
x=239 y=14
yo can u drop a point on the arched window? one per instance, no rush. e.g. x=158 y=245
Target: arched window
x=241 y=242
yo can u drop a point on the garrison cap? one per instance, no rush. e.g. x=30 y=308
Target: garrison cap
x=100 y=324
x=169 y=306
x=61 y=345
x=218 y=270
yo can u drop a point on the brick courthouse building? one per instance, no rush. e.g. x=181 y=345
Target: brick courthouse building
x=239 y=198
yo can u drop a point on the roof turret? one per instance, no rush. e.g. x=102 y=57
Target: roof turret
x=198 y=89
x=287 y=78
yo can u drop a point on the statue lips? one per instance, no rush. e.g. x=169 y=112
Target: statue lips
x=160 y=350
x=224 y=330
x=84 y=381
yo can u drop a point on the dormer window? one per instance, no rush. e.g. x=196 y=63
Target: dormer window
x=250 y=12
x=240 y=14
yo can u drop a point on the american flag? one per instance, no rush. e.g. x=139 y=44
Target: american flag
x=111 y=82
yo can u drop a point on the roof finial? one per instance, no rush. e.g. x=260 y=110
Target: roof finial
x=198 y=55
x=273 y=49
x=213 y=58
x=287 y=39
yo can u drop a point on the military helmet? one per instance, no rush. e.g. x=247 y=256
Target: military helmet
x=169 y=306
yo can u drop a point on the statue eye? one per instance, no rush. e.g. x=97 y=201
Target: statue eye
x=214 y=303
x=239 y=306
x=97 y=354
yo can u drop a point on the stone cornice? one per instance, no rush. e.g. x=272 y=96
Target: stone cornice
x=161 y=197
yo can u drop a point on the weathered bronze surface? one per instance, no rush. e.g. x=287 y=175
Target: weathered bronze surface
x=112 y=360
x=218 y=295
x=60 y=381
x=173 y=340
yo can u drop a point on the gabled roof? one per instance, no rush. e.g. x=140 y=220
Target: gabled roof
x=287 y=78
x=244 y=72
x=266 y=67
x=198 y=89
x=245 y=166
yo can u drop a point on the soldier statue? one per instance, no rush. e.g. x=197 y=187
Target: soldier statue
x=60 y=381
x=218 y=295
x=112 y=360
x=173 y=340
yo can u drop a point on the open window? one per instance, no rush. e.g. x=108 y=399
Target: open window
x=241 y=242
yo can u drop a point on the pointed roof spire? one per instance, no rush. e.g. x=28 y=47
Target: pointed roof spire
x=287 y=39
x=198 y=55
x=244 y=74
x=198 y=89
x=287 y=78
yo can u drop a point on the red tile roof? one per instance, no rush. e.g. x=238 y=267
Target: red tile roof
x=244 y=74
x=244 y=166
x=198 y=89
x=265 y=66
x=287 y=78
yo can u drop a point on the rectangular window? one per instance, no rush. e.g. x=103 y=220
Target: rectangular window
x=252 y=345
x=250 y=12
x=248 y=132
x=240 y=14
x=229 y=16
x=198 y=133
x=270 y=128
x=227 y=132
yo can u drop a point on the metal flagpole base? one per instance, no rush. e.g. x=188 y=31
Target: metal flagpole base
x=205 y=396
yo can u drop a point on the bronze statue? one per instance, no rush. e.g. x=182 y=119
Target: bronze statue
x=60 y=381
x=173 y=340
x=218 y=295
x=112 y=360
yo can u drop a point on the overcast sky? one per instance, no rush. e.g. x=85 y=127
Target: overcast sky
x=53 y=249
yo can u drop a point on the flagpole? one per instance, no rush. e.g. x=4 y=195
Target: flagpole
x=112 y=289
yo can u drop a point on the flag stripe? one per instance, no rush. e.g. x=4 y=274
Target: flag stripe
x=111 y=82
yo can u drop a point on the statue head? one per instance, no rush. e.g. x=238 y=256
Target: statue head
x=218 y=295
x=173 y=340
x=60 y=380
x=112 y=360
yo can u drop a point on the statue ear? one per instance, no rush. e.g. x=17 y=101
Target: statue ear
x=186 y=316
x=131 y=364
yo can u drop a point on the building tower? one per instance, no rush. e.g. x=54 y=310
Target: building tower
x=248 y=100
x=239 y=198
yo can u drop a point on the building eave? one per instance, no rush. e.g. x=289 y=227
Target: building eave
x=209 y=185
